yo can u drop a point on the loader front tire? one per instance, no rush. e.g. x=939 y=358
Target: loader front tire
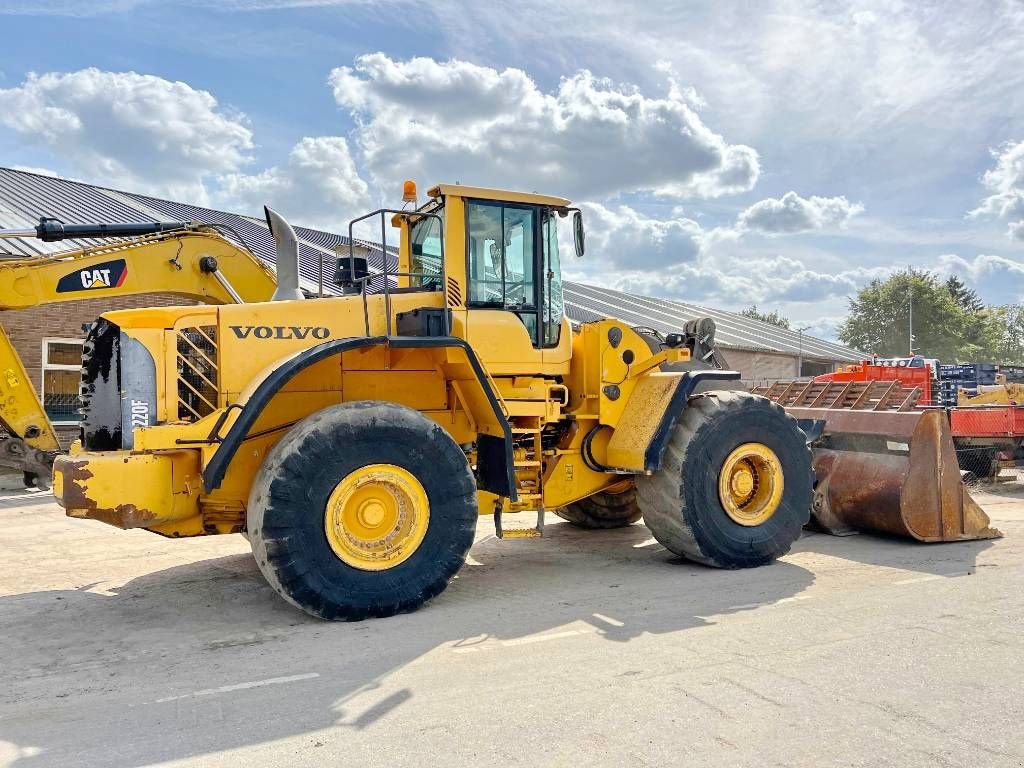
x=364 y=509
x=735 y=486
x=607 y=509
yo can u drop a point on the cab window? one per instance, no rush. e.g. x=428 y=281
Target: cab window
x=502 y=242
x=553 y=305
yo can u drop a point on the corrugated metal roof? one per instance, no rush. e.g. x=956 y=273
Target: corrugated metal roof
x=734 y=331
x=24 y=197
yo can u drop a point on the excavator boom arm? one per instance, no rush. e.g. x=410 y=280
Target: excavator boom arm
x=185 y=263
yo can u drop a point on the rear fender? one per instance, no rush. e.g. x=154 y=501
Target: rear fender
x=454 y=359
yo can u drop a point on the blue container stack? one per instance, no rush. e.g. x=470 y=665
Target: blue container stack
x=966 y=376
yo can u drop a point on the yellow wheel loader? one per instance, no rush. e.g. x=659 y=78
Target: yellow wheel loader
x=355 y=440
x=181 y=258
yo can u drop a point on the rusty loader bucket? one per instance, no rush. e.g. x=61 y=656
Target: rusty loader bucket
x=884 y=466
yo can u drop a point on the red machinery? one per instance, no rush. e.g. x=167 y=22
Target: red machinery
x=910 y=377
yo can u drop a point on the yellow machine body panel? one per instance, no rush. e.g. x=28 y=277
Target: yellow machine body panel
x=638 y=425
x=21 y=412
x=165 y=488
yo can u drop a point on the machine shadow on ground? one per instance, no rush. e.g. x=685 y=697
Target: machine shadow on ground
x=126 y=661
x=945 y=558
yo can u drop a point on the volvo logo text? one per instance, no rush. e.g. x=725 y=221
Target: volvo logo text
x=281 y=331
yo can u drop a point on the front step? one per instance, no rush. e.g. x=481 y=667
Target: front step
x=518 y=533
x=530 y=481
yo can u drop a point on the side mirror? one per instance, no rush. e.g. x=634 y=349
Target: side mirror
x=578 y=235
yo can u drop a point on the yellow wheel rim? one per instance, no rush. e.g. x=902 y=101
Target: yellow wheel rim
x=750 y=484
x=376 y=517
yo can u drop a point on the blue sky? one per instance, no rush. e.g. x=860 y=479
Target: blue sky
x=782 y=153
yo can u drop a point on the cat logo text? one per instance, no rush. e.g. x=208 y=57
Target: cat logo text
x=109 y=274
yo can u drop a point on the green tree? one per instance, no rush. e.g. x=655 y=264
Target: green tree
x=946 y=323
x=1009 y=347
x=966 y=298
x=774 y=318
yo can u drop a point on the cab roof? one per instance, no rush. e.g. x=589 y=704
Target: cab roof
x=486 y=193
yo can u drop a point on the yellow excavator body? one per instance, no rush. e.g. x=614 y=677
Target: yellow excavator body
x=190 y=260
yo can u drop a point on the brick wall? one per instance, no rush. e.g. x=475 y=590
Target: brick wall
x=28 y=327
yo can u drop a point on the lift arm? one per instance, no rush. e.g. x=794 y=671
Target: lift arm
x=176 y=258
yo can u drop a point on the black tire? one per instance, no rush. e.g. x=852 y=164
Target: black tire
x=285 y=518
x=603 y=510
x=681 y=504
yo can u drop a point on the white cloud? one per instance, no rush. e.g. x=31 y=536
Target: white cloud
x=589 y=137
x=1006 y=183
x=319 y=186
x=997 y=279
x=36 y=170
x=623 y=238
x=123 y=129
x=736 y=283
x=793 y=213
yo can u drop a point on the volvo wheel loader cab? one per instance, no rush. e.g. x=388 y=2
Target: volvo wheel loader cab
x=356 y=439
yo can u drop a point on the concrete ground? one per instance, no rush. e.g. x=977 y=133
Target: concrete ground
x=584 y=648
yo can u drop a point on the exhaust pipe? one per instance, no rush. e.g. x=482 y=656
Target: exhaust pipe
x=287 y=247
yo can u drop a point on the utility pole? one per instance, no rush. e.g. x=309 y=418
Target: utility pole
x=910 y=328
x=800 y=351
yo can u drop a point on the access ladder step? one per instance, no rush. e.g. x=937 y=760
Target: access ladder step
x=518 y=533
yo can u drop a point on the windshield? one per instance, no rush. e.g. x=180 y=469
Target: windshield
x=426 y=252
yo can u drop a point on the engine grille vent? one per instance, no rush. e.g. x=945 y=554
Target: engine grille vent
x=198 y=372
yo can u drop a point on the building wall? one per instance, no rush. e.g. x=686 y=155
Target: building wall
x=758 y=367
x=28 y=327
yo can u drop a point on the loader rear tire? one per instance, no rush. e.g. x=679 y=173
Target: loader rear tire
x=603 y=510
x=690 y=511
x=373 y=464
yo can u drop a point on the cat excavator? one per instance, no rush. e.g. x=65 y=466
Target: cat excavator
x=186 y=259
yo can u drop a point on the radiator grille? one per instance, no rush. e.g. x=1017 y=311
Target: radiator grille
x=198 y=372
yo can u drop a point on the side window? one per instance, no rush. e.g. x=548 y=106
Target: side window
x=502 y=247
x=62 y=376
x=519 y=232
x=426 y=252
x=485 y=257
x=553 y=306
